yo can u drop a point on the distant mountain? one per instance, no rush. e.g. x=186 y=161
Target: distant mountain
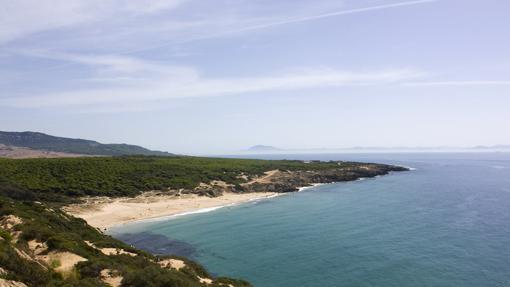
x=378 y=149
x=262 y=148
x=40 y=141
x=493 y=147
x=9 y=151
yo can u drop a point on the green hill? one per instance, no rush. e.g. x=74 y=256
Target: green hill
x=41 y=141
x=43 y=246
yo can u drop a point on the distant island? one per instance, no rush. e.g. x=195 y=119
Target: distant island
x=498 y=147
x=376 y=149
x=263 y=148
x=35 y=144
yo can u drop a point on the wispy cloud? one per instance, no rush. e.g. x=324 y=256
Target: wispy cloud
x=113 y=31
x=113 y=66
x=113 y=76
x=129 y=21
x=329 y=14
x=21 y=18
x=128 y=83
x=247 y=25
x=460 y=83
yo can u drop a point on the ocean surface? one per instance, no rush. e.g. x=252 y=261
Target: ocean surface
x=446 y=223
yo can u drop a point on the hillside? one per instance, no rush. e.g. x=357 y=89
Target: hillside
x=9 y=151
x=41 y=245
x=43 y=142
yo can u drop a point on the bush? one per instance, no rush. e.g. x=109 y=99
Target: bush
x=89 y=269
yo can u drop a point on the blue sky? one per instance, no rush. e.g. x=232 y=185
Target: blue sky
x=218 y=76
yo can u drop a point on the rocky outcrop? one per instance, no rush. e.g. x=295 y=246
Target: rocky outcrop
x=283 y=181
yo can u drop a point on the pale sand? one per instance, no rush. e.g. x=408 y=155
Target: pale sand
x=266 y=178
x=111 y=277
x=110 y=251
x=172 y=263
x=104 y=213
x=65 y=260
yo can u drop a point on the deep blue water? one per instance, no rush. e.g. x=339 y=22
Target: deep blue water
x=447 y=223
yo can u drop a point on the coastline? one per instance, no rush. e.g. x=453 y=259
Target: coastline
x=104 y=213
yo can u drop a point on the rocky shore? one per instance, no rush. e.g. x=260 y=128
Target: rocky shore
x=282 y=181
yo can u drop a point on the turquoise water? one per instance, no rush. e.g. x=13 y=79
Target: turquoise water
x=447 y=223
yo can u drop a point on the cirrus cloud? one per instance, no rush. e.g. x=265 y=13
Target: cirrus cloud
x=128 y=82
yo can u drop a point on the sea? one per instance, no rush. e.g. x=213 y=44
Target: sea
x=444 y=223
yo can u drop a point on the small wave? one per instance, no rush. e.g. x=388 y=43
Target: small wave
x=203 y=210
x=167 y=217
x=408 y=167
x=266 y=197
x=198 y=211
x=310 y=186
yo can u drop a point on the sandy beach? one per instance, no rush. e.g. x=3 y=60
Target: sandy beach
x=104 y=213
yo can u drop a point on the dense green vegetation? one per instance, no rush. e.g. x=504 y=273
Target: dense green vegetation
x=40 y=141
x=66 y=233
x=121 y=176
x=33 y=189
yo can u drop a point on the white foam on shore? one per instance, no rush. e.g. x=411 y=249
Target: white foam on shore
x=202 y=210
x=408 y=167
x=173 y=216
x=310 y=186
x=264 y=198
x=210 y=209
x=196 y=211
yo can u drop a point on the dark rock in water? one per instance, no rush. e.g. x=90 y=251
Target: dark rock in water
x=157 y=244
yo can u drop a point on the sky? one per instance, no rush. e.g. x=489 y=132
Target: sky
x=218 y=76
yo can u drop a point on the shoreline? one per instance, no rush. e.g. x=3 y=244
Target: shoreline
x=195 y=211
x=408 y=167
x=105 y=213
